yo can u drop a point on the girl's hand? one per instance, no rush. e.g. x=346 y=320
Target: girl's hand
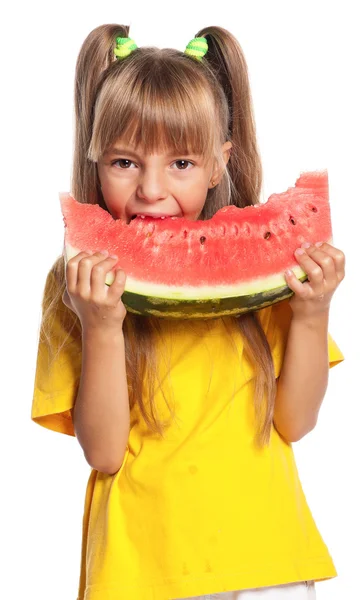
x=96 y=304
x=325 y=267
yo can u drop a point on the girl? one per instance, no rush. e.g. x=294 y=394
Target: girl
x=187 y=425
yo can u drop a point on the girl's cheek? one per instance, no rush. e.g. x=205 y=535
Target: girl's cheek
x=116 y=208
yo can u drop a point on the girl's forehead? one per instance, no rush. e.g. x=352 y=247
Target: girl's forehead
x=157 y=145
x=122 y=145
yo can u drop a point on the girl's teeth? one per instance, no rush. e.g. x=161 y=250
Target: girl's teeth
x=156 y=217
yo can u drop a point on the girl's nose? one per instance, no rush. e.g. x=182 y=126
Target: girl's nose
x=152 y=187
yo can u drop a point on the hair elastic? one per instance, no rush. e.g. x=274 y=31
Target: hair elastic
x=124 y=47
x=196 y=48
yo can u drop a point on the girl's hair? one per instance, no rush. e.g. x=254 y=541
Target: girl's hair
x=164 y=99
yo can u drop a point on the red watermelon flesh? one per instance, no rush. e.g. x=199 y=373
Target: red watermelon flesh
x=239 y=253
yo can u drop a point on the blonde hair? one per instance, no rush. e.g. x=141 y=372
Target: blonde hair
x=162 y=98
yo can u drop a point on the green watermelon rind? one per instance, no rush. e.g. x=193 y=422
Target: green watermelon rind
x=197 y=309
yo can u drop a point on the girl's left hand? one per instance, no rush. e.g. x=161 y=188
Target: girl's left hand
x=325 y=267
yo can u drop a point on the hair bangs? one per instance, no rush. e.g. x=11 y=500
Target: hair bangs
x=160 y=112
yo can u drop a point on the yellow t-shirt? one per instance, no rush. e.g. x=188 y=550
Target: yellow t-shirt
x=202 y=510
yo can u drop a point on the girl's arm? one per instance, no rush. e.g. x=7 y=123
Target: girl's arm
x=304 y=377
x=101 y=414
x=101 y=417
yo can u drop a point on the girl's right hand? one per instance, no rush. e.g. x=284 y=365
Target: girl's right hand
x=96 y=304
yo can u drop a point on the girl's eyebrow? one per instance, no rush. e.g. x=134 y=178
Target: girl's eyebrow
x=116 y=150
x=121 y=151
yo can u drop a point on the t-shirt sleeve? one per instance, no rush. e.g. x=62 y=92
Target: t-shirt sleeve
x=278 y=327
x=57 y=372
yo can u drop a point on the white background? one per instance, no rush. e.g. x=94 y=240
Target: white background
x=306 y=70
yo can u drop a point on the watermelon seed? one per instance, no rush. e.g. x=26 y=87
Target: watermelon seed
x=236 y=229
x=151 y=229
x=292 y=221
x=267 y=235
x=314 y=209
x=185 y=233
x=202 y=239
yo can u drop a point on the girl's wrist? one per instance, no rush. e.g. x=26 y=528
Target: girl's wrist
x=312 y=321
x=101 y=335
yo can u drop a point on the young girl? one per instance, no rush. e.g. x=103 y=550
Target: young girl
x=187 y=424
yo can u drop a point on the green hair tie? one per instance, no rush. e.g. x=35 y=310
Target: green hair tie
x=124 y=47
x=197 y=47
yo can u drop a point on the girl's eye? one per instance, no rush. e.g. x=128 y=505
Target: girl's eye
x=184 y=163
x=125 y=163
x=123 y=160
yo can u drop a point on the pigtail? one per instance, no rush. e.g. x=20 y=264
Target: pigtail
x=226 y=59
x=93 y=62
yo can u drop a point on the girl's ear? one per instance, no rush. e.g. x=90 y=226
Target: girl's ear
x=218 y=171
x=226 y=151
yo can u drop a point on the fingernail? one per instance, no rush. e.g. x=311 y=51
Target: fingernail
x=318 y=244
x=105 y=252
x=306 y=245
x=113 y=256
x=300 y=251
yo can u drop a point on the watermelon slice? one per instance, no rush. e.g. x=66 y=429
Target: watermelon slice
x=227 y=265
